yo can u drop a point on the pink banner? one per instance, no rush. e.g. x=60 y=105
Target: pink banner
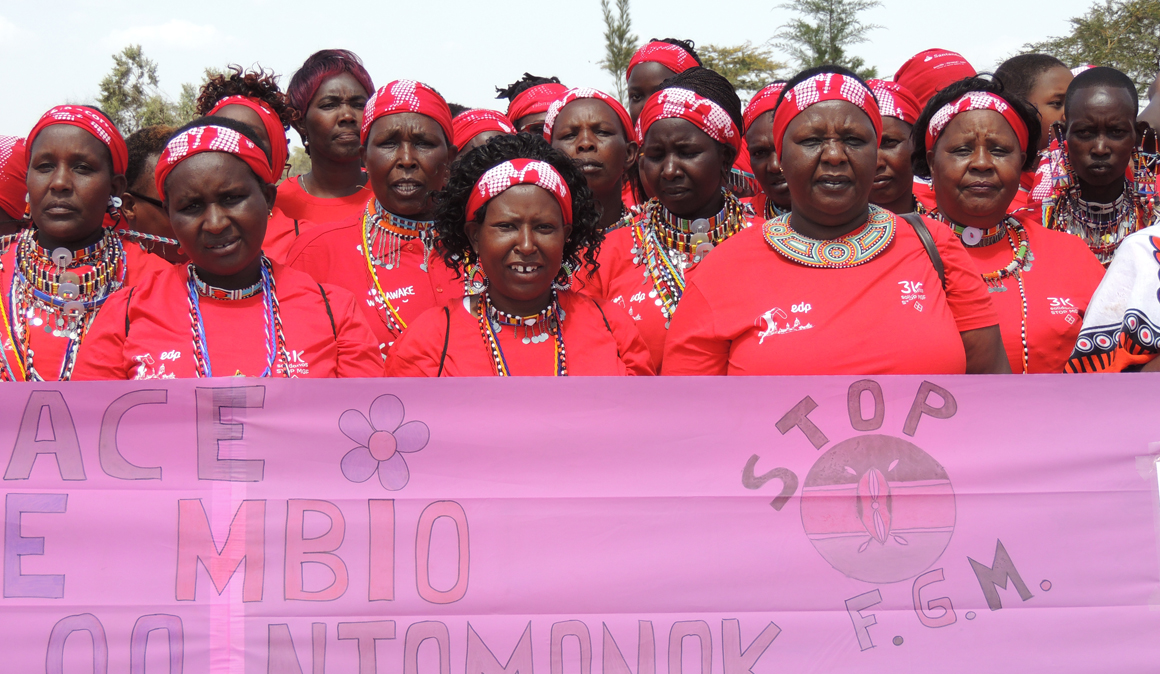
x=583 y=526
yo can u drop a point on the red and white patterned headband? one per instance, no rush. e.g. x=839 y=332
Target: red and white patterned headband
x=668 y=55
x=817 y=89
x=90 y=120
x=209 y=139
x=677 y=103
x=406 y=96
x=502 y=177
x=588 y=92
x=975 y=100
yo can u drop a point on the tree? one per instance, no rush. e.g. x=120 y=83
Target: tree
x=747 y=67
x=1123 y=34
x=132 y=99
x=299 y=163
x=824 y=30
x=619 y=45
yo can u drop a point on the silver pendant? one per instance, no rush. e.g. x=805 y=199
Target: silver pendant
x=972 y=236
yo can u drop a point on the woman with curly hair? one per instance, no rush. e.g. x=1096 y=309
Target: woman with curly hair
x=516 y=216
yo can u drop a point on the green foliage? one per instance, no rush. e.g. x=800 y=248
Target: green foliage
x=619 y=45
x=824 y=30
x=130 y=94
x=747 y=67
x=1122 y=34
x=299 y=163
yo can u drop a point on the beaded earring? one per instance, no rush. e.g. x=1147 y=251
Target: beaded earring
x=563 y=280
x=114 y=207
x=477 y=281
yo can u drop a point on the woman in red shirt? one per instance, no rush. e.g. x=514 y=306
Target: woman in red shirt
x=773 y=200
x=894 y=180
x=516 y=215
x=385 y=255
x=691 y=132
x=473 y=128
x=529 y=99
x=973 y=141
x=230 y=311
x=13 y=169
x=594 y=130
x=838 y=285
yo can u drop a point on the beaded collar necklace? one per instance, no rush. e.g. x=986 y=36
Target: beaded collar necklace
x=669 y=245
x=550 y=320
x=206 y=290
x=772 y=210
x=383 y=234
x=851 y=250
x=275 y=335
x=54 y=291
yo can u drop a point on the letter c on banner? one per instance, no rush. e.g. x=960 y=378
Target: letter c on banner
x=423 y=552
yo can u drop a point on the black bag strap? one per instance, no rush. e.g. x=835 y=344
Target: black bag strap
x=606 y=325
x=127 y=301
x=446 y=340
x=296 y=233
x=924 y=235
x=329 y=313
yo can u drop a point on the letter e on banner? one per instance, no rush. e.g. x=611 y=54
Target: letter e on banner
x=17 y=584
x=213 y=429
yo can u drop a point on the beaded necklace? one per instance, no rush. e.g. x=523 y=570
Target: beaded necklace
x=206 y=290
x=772 y=210
x=143 y=238
x=275 y=335
x=669 y=245
x=550 y=320
x=843 y=252
x=383 y=234
x=46 y=292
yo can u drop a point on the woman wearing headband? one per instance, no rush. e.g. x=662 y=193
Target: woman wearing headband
x=529 y=99
x=230 y=311
x=514 y=215
x=838 y=285
x=894 y=181
x=773 y=200
x=974 y=140
x=473 y=128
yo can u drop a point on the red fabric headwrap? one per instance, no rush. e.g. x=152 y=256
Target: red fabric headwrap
x=763 y=102
x=501 y=177
x=471 y=123
x=668 y=55
x=13 y=171
x=90 y=120
x=279 y=144
x=587 y=92
x=209 y=139
x=928 y=72
x=680 y=103
x=895 y=100
x=823 y=87
x=407 y=96
x=536 y=99
x=975 y=100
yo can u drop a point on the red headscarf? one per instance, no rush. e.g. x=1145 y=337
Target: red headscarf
x=823 y=87
x=501 y=177
x=587 y=92
x=13 y=171
x=677 y=103
x=928 y=72
x=209 y=139
x=895 y=100
x=533 y=100
x=90 y=120
x=279 y=144
x=407 y=96
x=763 y=102
x=975 y=100
x=470 y=123
x=668 y=55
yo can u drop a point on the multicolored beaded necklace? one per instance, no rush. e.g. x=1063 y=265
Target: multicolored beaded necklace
x=843 y=252
x=550 y=320
x=772 y=210
x=143 y=238
x=275 y=335
x=383 y=236
x=47 y=292
x=669 y=245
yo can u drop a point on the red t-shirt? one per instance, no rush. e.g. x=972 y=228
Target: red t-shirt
x=333 y=254
x=146 y=332
x=1061 y=280
x=599 y=340
x=297 y=212
x=886 y=316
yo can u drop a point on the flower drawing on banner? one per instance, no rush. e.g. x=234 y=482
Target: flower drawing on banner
x=383 y=439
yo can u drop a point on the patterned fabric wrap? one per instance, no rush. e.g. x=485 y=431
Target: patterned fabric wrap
x=588 y=92
x=668 y=55
x=975 y=100
x=209 y=139
x=471 y=123
x=407 y=96
x=764 y=101
x=533 y=100
x=501 y=177
x=677 y=103
x=13 y=171
x=819 y=88
x=279 y=143
x=90 y=120
x=928 y=72
x=895 y=100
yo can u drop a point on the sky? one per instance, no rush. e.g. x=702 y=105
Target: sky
x=55 y=53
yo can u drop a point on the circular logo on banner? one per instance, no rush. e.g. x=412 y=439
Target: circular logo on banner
x=878 y=508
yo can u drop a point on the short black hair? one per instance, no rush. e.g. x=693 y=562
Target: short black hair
x=711 y=85
x=456 y=109
x=688 y=45
x=1020 y=73
x=142 y=144
x=241 y=127
x=451 y=214
x=953 y=92
x=523 y=84
x=1101 y=77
